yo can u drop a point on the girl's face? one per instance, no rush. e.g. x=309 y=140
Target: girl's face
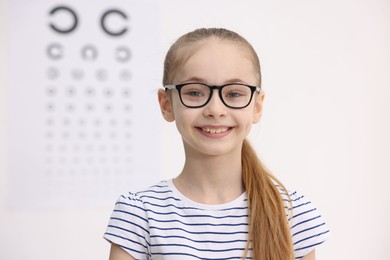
x=213 y=129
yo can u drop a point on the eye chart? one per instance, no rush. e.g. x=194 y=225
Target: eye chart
x=83 y=119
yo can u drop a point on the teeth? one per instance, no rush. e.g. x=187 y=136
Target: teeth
x=214 y=131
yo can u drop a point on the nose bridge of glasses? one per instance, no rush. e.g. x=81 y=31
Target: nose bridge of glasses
x=218 y=95
x=216 y=88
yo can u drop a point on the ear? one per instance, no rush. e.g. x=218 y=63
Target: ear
x=258 y=107
x=165 y=101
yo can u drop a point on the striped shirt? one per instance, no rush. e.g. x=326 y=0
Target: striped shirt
x=161 y=223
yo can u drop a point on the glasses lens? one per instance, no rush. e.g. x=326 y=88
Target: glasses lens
x=194 y=94
x=236 y=95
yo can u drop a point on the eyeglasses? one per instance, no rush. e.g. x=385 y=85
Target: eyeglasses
x=233 y=95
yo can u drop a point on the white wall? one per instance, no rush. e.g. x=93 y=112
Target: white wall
x=325 y=129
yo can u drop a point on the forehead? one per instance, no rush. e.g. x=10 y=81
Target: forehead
x=216 y=61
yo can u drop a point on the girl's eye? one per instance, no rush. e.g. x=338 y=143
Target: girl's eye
x=194 y=93
x=235 y=91
x=234 y=94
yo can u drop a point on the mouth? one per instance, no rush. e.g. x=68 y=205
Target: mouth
x=215 y=130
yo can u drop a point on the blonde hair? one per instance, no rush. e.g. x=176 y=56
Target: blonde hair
x=269 y=232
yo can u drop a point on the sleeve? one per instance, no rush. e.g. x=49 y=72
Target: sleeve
x=308 y=227
x=128 y=226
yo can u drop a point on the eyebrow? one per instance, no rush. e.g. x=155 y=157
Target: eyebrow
x=193 y=79
x=197 y=79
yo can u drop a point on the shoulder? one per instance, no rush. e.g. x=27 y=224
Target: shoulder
x=308 y=226
x=129 y=223
x=142 y=198
x=297 y=204
x=160 y=190
x=302 y=208
x=158 y=198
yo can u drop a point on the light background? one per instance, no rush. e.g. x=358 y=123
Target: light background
x=78 y=130
x=325 y=129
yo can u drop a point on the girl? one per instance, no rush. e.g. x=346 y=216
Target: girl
x=224 y=204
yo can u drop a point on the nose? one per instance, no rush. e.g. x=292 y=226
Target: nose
x=215 y=107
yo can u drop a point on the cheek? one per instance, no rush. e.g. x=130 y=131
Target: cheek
x=184 y=125
x=176 y=103
x=249 y=125
x=183 y=117
x=246 y=121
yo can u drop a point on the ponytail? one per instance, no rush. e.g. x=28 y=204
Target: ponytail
x=269 y=232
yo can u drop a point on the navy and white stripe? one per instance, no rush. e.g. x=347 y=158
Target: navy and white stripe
x=308 y=228
x=160 y=223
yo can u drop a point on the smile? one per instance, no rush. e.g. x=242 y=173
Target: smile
x=215 y=130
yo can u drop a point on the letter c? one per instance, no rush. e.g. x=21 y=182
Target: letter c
x=103 y=22
x=68 y=10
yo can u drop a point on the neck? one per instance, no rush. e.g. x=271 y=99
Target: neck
x=211 y=179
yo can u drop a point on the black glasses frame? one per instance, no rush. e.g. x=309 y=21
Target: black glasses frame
x=219 y=88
